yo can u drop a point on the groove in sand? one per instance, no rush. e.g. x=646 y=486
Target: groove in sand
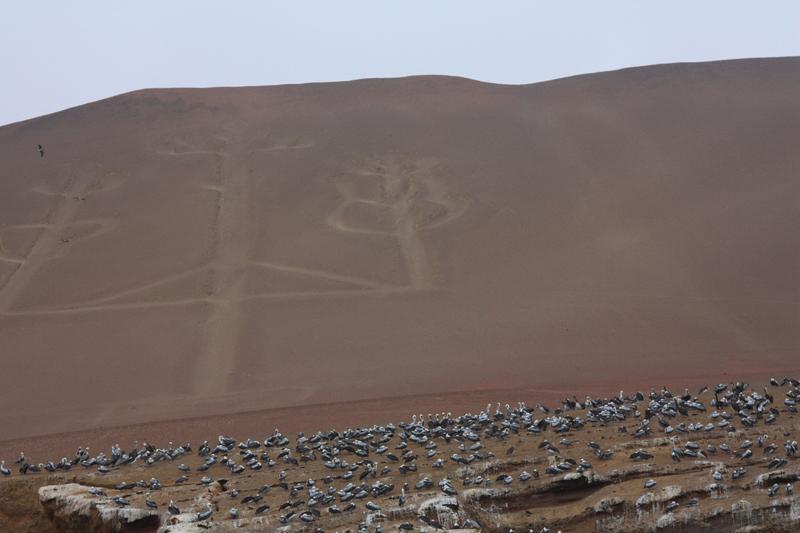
x=61 y=216
x=221 y=331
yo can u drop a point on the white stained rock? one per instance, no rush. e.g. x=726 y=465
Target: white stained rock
x=669 y=492
x=742 y=507
x=71 y=500
x=606 y=505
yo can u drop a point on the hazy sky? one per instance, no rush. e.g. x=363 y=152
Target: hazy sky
x=57 y=54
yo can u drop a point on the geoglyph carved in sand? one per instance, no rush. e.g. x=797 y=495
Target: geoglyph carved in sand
x=392 y=198
x=53 y=236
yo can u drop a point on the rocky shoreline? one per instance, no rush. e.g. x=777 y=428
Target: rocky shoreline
x=723 y=458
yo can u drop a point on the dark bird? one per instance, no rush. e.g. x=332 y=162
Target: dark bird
x=122 y=502
x=41 y=150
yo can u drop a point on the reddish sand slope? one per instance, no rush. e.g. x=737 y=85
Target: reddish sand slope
x=189 y=252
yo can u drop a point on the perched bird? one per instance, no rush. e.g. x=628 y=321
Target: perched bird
x=438 y=436
x=41 y=150
x=672 y=506
x=122 y=502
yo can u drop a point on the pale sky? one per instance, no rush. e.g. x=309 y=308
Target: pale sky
x=61 y=53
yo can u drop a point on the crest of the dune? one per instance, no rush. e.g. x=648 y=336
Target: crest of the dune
x=182 y=252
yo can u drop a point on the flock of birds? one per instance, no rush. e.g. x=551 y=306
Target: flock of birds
x=368 y=459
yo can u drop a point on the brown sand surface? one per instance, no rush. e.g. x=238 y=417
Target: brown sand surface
x=194 y=253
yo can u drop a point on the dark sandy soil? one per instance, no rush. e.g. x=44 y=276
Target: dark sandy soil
x=195 y=253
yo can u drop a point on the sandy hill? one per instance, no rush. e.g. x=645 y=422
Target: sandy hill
x=186 y=252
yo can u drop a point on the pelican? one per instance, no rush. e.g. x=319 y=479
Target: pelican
x=3 y=470
x=122 y=502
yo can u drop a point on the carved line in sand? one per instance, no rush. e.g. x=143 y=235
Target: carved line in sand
x=55 y=232
x=414 y=200
x=411 y=201
x=6 y=256
x=219 y=142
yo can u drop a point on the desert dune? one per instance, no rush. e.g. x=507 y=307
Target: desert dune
x=185 y=253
